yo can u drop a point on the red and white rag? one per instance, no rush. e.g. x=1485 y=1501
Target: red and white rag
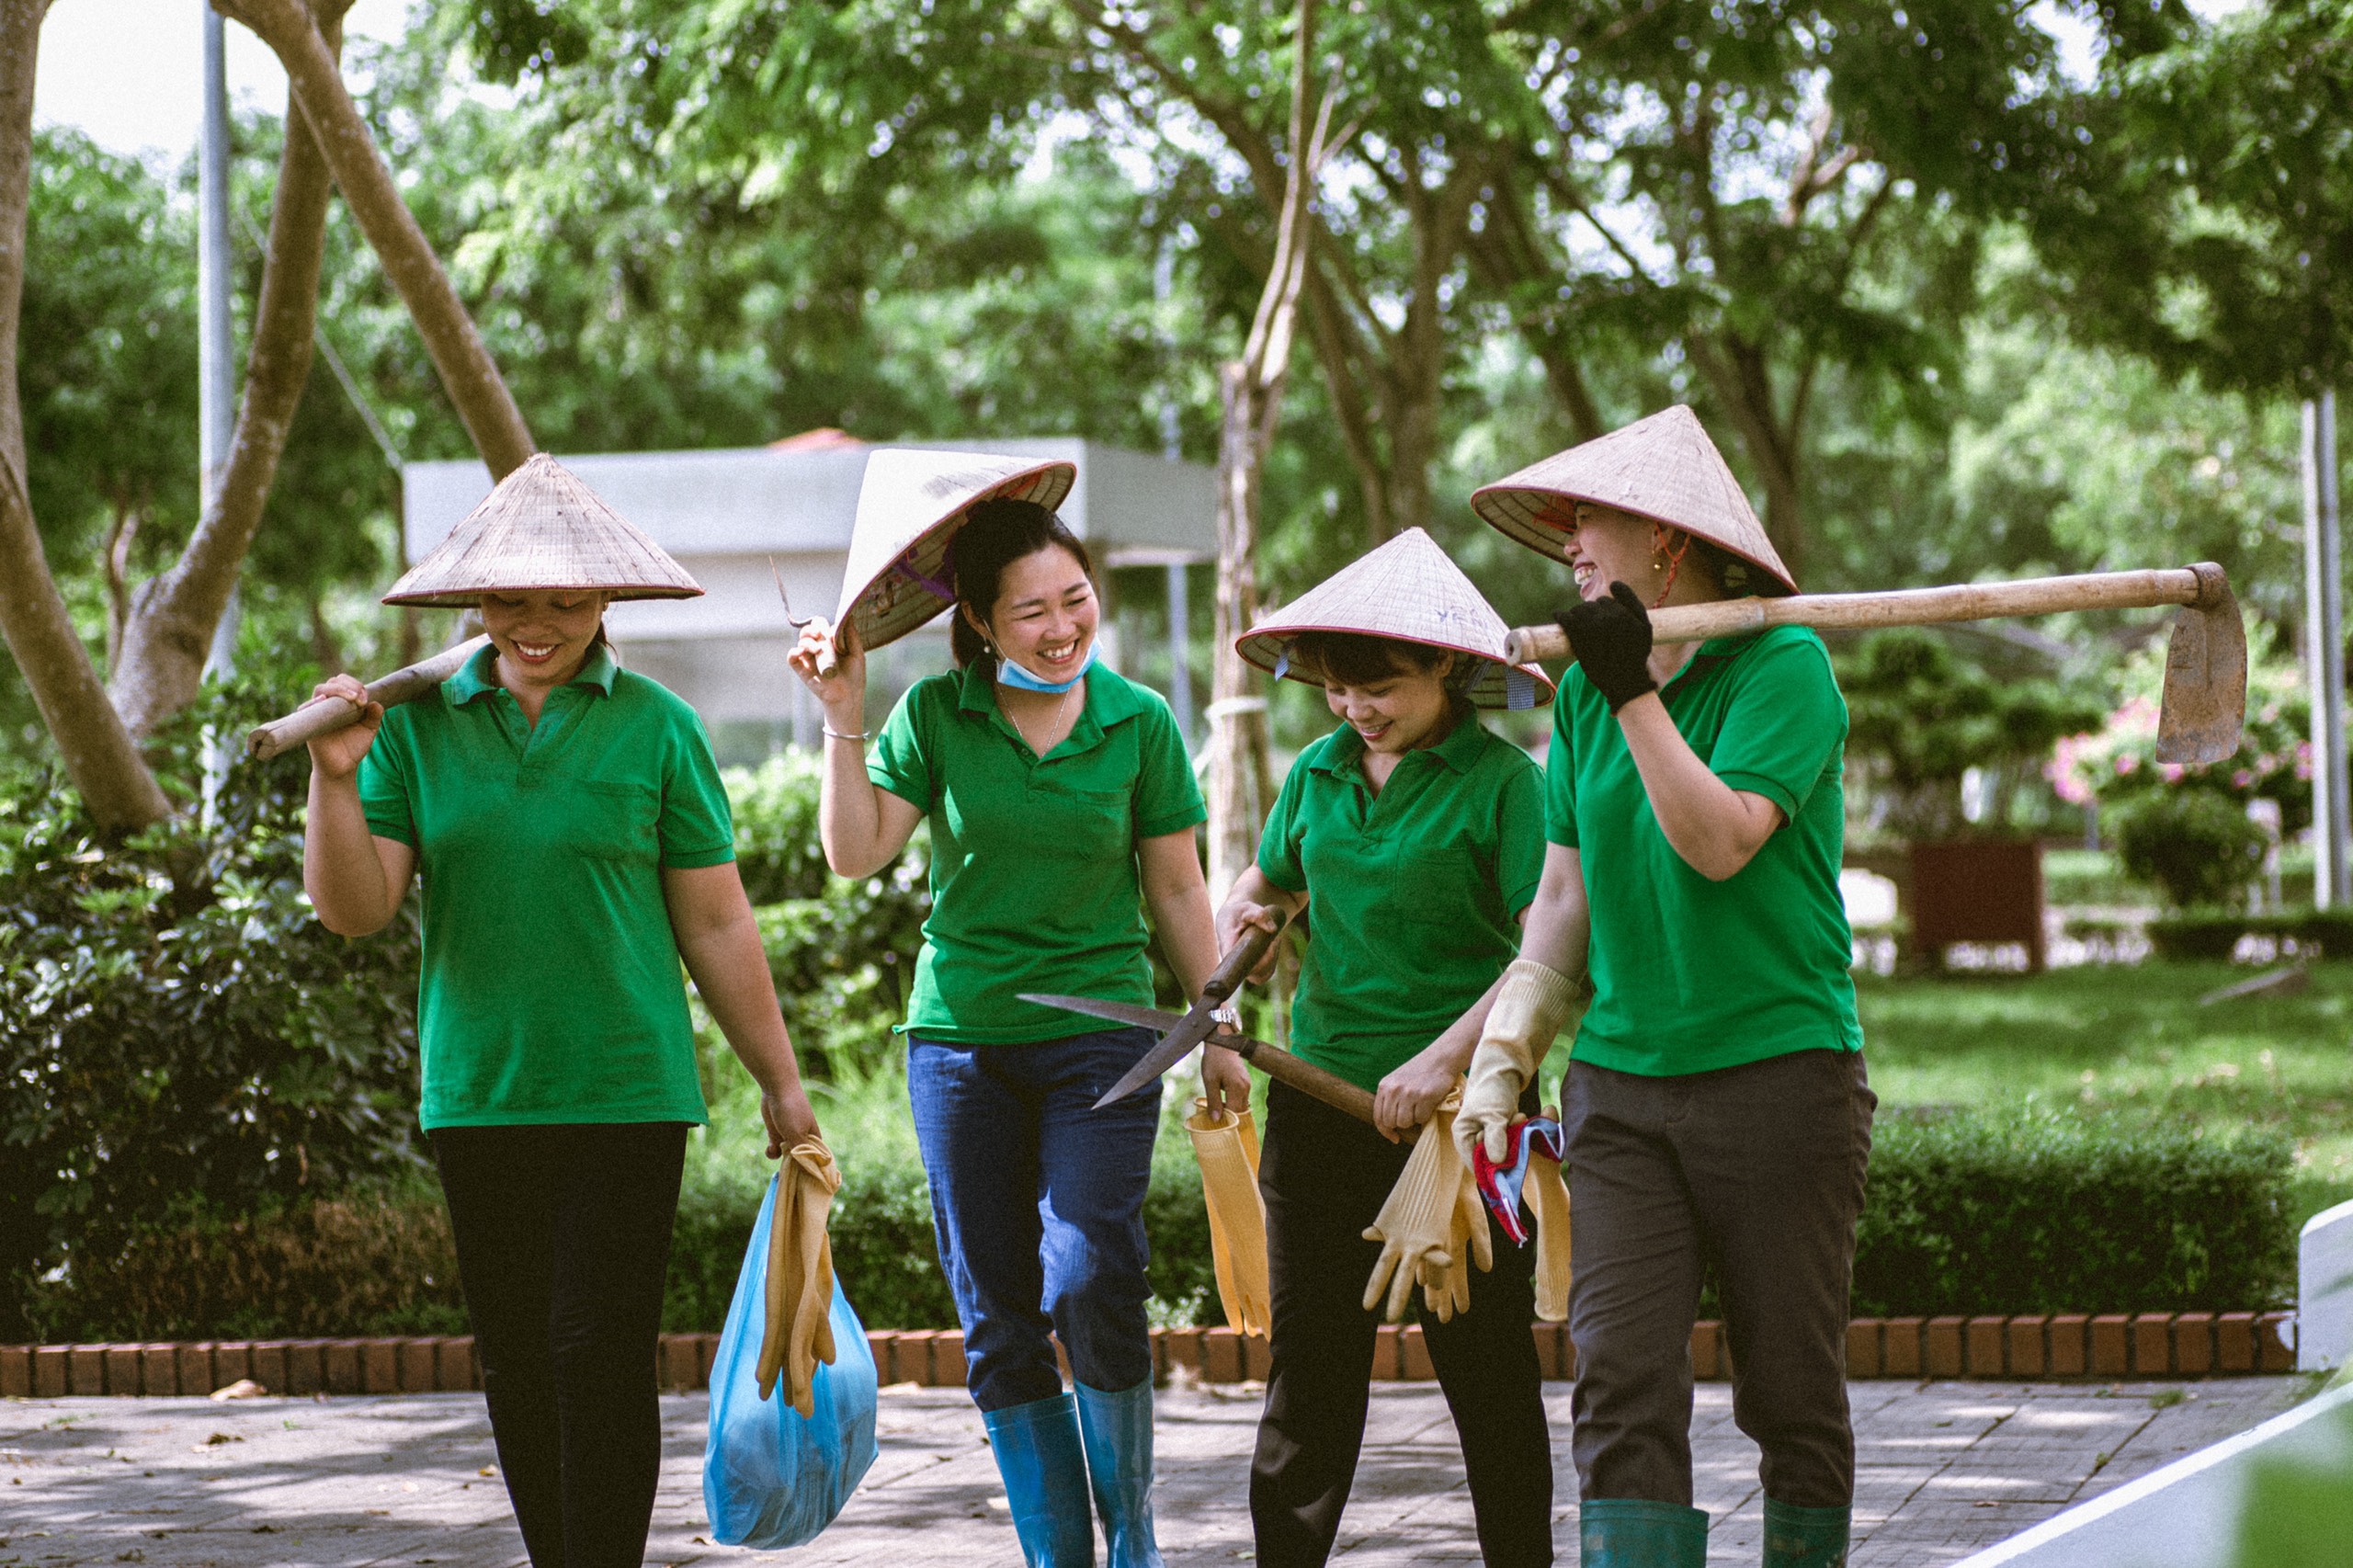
x=1500 y=1182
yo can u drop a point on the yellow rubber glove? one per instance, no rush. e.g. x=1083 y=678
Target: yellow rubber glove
x=1227 y=1147
x=1446 y=1290
x=1421 y=1228
x=1548 y=1199
x=799 y=1331
x=1527 y=1013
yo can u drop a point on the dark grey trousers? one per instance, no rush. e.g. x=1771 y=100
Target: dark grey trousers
x=1755 y=1171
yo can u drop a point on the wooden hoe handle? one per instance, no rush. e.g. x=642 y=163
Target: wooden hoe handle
x=324 y=715
x=2201 y=587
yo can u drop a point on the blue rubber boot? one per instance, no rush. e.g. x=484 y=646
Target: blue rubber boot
x=1806 y=1537
x=1044 y=1467
x=1634 y=1532
x=1118 y=1429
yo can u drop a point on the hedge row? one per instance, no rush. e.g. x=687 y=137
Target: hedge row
x=1968 y=1215
x=2214 y=933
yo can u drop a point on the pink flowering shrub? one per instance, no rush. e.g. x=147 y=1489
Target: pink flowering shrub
x=2187 y=829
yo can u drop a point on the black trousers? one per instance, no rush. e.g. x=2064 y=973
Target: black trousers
x=563 y=1239
x=1757 y=1172
x=1324 y=1176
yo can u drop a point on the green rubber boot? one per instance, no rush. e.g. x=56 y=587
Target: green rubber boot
x=1805 y=1538
x=1634 y=1532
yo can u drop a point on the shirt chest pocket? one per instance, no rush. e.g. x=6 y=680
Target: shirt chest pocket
x=1081 y=824
x=609 y=820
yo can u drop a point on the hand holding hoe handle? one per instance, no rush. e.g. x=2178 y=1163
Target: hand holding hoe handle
x=2205 y=689
x=325 y=715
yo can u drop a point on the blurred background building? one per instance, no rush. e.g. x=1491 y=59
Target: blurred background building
x=727 y=513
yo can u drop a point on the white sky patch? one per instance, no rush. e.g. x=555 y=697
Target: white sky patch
x=130 y=73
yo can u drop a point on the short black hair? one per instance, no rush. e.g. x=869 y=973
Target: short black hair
x=996 y=533
x=1356 y=658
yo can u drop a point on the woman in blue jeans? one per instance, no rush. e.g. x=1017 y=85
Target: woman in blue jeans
x=1061 y=806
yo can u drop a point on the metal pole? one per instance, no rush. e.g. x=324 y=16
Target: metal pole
x=1180 y=643
x=2324 y=651
x=1172 y=446
x=216 y=387
x=216 y=407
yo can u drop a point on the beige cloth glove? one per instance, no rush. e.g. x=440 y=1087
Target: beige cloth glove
x=1227 y=1147
x=798 y=1333
x=1527 y=1013
x=1548 y=1199
x=1423 y=1228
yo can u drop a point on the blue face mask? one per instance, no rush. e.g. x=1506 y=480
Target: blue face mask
x=1013 y=674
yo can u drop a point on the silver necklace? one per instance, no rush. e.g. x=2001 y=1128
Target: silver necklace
x=1060 y=709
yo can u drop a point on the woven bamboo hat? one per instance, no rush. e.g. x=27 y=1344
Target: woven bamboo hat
x=1663 y=468
x=1408 y=590
x=541 y=527
x=909 y=507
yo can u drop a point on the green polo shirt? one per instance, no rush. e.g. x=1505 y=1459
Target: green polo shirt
x=551 y=989
x=1691 y=975
x=1034 y=884
x=1413 y=894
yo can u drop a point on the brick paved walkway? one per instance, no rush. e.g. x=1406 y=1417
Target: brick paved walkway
x=1946 y=1468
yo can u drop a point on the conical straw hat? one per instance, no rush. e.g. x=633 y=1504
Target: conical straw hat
x=1408 y=590
x=909 y=507
x=1663 y=468
x=541 y=527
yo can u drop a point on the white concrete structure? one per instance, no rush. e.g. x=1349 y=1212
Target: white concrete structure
x=2325 y=1291
x=725 y=513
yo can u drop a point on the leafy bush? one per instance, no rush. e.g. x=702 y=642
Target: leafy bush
x=2037 y=1212
x=2213 y=933
x=842 y=953
x=1966 y=1213
x=175 y=1026
x=775 y=807
x=375 y=1259
x=2196 y=843
x=2196 y=934
x=884 y=1251
x=2185 y=829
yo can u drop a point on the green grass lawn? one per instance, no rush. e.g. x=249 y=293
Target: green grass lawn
x=2132 y=1041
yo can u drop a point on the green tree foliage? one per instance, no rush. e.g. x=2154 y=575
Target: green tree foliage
x=108 y=377
x=1920 y=717
x=2204 y=223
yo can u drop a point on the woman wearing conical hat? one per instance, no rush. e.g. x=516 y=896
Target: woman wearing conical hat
x=1716 y=1112
x=1061 y=806
x=1411 y=839
x=566 y=821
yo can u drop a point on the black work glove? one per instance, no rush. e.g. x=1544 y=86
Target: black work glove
x=1612 y=641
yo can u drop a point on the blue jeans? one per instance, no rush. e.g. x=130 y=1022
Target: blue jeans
x=1038 y=1201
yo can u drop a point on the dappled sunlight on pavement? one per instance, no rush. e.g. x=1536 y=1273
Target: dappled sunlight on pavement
x=1943 y=1470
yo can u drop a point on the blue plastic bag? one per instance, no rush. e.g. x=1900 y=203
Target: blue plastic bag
x=771 y=1478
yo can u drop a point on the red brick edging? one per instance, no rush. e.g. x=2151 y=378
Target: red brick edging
x=2063 y=1345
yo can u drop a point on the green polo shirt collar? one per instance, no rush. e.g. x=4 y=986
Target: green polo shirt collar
x=474 y=677
x=1436 y=866
x=1107 y=703
x=1343 y=756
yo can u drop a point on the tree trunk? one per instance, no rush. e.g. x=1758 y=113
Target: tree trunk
x=169 y=633
x=1239 y=770
x=114 y=560
x=1737 y=372
x=100 y=754
x=1241 y=779
x=464 y=364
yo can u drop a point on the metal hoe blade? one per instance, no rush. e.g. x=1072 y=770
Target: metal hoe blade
x=2204 y=707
